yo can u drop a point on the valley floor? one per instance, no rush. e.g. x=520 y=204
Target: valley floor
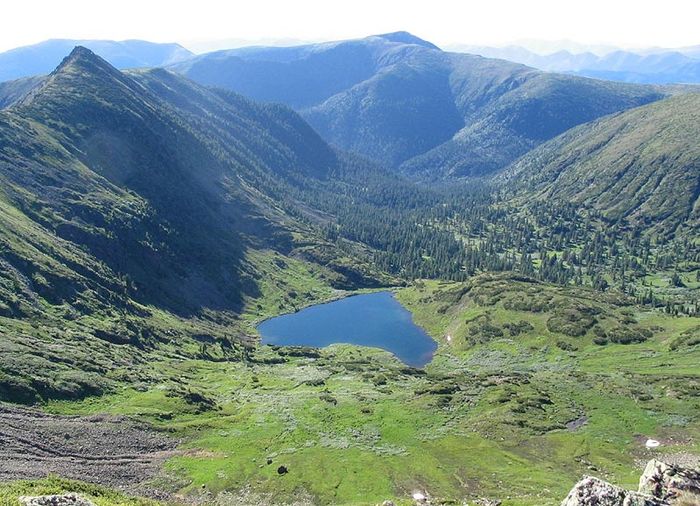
x=523 y=397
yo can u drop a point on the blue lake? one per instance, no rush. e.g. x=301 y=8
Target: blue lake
x=373 y=319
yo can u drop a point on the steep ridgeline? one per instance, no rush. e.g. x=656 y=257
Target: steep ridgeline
x=407 y=104
x=164 y=197
x=129 y=208
x=641 y=165
x=42 y=58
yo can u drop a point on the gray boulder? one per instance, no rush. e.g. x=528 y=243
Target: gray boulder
x=670 y=483
x=661 y=484
x=591 y=491
x=70 y=499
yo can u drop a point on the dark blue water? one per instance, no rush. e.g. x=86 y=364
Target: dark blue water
x=374 y=319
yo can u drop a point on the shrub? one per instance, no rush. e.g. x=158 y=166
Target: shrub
x=17 y=390
x=515 y=329
x=628 y=335
x=690 y=337
x=481 y=330
x=566 y=346
x=572 y=321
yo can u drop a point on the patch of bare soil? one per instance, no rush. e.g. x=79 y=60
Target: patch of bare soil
x=108 y=450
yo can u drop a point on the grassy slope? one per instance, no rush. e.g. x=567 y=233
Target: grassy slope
x=100 y=496
x=354 y=426
x=641 y=165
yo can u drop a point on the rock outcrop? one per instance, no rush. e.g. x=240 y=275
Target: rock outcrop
x=56 y=500
x=661 y=484
x=591 y=491
x=670 y=483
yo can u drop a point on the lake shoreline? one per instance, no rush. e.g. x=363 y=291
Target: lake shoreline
x=367 y=319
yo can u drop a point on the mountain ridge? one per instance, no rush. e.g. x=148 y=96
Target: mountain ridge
x=131 y=214
x=415 y=107
x=664 y=66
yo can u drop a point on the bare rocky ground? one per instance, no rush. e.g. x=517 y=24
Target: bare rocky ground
x=108 y=450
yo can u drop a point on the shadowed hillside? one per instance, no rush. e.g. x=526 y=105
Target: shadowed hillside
x=135 y=210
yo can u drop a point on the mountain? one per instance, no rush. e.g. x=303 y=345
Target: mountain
x=691 y=51
x=649 y=67
x=143 y=209
x=559 y=60
x=13 y=91
x=406 y=104
x=42 y=58
x=642 y=165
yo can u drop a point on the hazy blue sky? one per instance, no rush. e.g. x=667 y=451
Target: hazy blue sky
x=628 y=23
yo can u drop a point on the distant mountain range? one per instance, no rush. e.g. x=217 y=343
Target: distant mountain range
x=42 y=58
x=403 y=102
x=398 y=99
x=653 y=66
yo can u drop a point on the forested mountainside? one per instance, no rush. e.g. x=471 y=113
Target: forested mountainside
x=142 y=194
x=642 y=166
x=405 y=103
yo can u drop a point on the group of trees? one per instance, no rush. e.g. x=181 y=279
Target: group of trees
x=426 y=231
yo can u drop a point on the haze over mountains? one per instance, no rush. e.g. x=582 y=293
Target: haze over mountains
x=397 y=99
x=403 y=102
x=400 y=100
x=652 y=66
x=42 y=58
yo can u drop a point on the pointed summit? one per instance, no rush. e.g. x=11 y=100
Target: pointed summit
x=80 y=75
x=83 y=60
x=407 y=38
x=80 y=52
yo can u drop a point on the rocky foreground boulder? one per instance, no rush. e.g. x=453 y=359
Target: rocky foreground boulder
x=55 y=500
x=661 y=484
x=670 y=483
